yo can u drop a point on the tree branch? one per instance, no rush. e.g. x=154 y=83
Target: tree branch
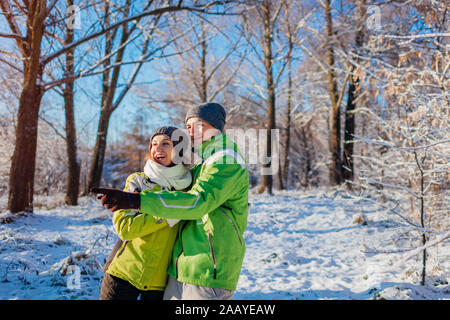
x=51 y=5
x=12 y=36
x=230 y=78
x=6 y=8
x=53 y=127
x=114 y=26
x=11 y=65
x=417 y=251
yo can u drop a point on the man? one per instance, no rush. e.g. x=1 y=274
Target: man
x=209 y=250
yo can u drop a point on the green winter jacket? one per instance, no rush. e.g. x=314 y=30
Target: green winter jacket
x=209 y=248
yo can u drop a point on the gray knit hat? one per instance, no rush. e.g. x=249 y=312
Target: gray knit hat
x=211 y=112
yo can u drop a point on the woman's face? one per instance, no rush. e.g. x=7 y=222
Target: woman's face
x=161 y=148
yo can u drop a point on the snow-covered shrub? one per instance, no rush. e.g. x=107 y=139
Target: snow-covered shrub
x=406 y=148
x=51 y=172
x=51 y=164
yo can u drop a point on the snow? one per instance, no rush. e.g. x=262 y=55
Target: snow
x=300 y=245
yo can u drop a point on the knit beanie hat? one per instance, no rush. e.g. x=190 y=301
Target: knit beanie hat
x=211 y=112
x=180 y=136
x=166 y=130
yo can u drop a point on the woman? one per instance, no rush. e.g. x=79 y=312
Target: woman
x=138 y=264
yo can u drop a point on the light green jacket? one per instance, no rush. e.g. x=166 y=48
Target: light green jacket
x=146 y=252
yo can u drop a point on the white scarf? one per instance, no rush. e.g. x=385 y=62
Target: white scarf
x=177 y=177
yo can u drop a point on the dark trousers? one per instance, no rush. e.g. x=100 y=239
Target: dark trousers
x=114 y=288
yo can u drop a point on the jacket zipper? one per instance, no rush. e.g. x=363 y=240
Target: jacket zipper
x=213 y=256
x=232 y=223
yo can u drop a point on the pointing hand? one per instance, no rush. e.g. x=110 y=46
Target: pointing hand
x=114 y=199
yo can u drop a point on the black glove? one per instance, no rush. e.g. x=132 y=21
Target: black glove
x=114 y=199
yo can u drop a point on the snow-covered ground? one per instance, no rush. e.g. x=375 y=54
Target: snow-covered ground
x=299 y=246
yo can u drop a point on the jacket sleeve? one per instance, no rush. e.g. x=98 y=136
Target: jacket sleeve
x=131 y=224
x=216 y=183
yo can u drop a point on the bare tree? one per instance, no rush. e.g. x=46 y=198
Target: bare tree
x=201 y=70
x=352 y=95
x=29 y=44
x=320 y=43
x=261 y=23
x=292 y=21
x=73 y=177
x=109 y=85
x=269 y=18
x=335 y=111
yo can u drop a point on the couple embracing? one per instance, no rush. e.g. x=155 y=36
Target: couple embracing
x=180 y=229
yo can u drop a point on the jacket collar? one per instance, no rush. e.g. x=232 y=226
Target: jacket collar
x=212 y=145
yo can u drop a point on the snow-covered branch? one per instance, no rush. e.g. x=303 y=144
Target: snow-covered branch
x=419 y=250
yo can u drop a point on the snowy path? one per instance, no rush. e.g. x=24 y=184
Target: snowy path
x=299 y=246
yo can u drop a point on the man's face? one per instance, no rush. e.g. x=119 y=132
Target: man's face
x=199 y=130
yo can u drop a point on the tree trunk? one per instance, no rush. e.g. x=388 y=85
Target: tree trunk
x=280 y=179
x=303 y=136
x=96 y=169
x=288 y=124
x=347 y=170
x=283 y=175
x=73 y=178
x=422 y=212
x=108 y=106
x=286 y=153
x=308 y=164
x=267 y=179
x=335 y=173
x=204 y=84
x=21 y=178
x=349 y=130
